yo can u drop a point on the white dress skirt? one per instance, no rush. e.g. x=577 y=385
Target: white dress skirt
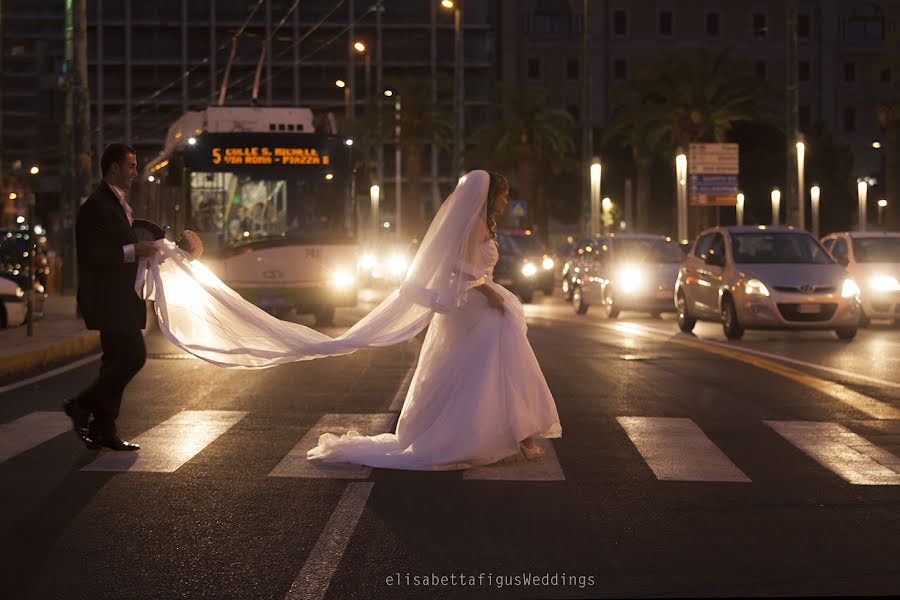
x=476 y=393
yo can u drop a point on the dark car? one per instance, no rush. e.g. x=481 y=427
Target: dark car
x=15 y=262
x=521 y=267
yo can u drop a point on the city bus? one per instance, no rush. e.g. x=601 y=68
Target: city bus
x=271 y=199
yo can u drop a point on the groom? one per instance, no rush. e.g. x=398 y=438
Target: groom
x=108 y=251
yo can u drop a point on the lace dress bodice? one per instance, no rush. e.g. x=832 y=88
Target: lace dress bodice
x=489 y=256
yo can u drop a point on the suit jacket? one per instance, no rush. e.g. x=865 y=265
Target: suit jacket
x=106 y=295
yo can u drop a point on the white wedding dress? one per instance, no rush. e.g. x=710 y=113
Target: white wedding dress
x=476 y=392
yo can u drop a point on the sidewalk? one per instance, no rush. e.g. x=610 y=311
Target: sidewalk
x=58 y=335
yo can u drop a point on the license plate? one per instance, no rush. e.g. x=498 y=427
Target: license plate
x=809 y=309
x=504 y=281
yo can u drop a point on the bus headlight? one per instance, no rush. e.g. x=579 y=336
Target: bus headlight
x=367 y=262
x=630 y=279
x=398 y=265
x=849 y=289
x=529 y=270
x=884 y=283
x=342 y=279
x=548 y=263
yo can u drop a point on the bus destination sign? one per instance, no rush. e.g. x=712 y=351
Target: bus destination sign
x=266 y=155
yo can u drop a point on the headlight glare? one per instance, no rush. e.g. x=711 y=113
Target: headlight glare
x=849 y=289
x=548 y=263
x=630 y=279
x=884 y=283
x=341 y=279
x=755 y=287
x=529 y=270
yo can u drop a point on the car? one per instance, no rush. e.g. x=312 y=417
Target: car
x=873 y=261
x=628 y=271
x=13 y=307
x=519 y=267
x=15 y=247
x=534 y=252
x=760 y=277
x=571 y=265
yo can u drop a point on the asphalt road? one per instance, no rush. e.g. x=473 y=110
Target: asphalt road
x=689 y=466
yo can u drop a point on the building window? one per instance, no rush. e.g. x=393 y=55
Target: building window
x=534 y=68
x=885 y=76
x=803 y=117
x=552 y=16
x=620 y=70
x=712 y=24
x=803 y=26
x=849 y=72
x=803 y=71
x=849 y=120
x=572 y=68
x=760 y=69
x=865 y=24
x=760 y=29
x=620 y=22
x=665 y=23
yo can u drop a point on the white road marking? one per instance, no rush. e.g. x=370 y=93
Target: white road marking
x=172 y=443
x=315 y=576
x=295 y=464
x=400 y=396
x=677 y=450
x=848 y=455
x=518 y=468
x=52 y=373
x=27 y=432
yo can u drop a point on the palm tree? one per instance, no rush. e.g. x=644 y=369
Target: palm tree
x=889 y=119
x=687 y=96
x=532 y=139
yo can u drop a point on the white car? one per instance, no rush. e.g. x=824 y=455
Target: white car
x=765 y=278
x=873 y=261
x=13 y=308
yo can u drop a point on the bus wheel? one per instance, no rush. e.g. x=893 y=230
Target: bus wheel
x=325 y=315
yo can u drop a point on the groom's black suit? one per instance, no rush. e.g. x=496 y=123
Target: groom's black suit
x=109 y=303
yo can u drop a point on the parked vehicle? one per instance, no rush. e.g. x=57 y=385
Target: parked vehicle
x=873 y=260
x=15 y=263
x=628 y=271
x=13 y=309
x=765 y=278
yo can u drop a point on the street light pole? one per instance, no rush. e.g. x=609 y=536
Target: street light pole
x=776 y=207
x=607 y=207
x=862 y=189
x=814 y=194
x=681 y=167
x=596 y=171
x=374 y=197
x=739 y=216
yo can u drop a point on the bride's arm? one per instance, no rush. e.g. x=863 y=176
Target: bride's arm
x=494 y=299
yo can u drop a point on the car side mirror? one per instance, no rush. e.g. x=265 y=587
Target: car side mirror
x=717 y=260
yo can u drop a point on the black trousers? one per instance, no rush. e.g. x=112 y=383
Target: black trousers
x=124 y=354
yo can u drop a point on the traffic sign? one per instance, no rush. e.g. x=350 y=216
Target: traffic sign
x=713 y=174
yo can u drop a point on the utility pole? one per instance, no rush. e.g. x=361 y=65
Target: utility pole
x=587 y=141
x=792 y=196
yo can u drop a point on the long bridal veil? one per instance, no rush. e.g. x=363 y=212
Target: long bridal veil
x=201 y=315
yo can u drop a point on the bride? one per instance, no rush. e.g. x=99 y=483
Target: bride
x=477 y=395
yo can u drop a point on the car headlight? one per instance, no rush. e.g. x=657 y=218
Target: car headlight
x=342 y=279
x=755 y=287
x=548 y=263
x=367 y=261
x=398 y=264
x=884 y=283
x=630 y=279
x=849 y=289
x=529 y=270
x=19 y=292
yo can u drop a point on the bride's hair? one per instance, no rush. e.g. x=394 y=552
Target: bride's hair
x=498 y=186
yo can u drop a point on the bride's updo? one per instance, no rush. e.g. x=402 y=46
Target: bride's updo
x=498 y=186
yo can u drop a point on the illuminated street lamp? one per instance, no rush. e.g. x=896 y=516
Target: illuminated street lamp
x=801 y=201
x=776 y=206
x=596 y=171
x=35 y=170
x=740 y=209
x=607 y=207
x=374 y=196
x=882 y=204
x=681 y=174
x=343 y=85
x=13 y=195
x=458 y=75
x=862 y=190
x=814 y=193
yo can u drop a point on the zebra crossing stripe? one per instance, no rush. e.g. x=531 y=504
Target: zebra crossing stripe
x=676 y=449
x=172 y=443
x=848 y=455
x=295 y=463
x=518 y=468
x=27 y=432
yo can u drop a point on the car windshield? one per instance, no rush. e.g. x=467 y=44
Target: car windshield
x=772 y=247
x=648 y=250
x=877 y=250
x=527 y=244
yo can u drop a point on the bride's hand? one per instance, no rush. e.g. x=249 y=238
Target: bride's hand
x=495 y=300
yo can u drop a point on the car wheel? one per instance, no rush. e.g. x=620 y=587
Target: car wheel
x=527 y=296
x=578 y=303
x=567 y=289
x=612 y=310
x=685 y=321
x=325 y=316
x=733 y=329
x=846 y=333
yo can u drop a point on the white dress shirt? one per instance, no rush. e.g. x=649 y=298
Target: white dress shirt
x=127 y=249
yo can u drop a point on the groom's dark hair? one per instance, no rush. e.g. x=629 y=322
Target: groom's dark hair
x=114 y=154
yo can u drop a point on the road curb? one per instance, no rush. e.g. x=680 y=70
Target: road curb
x=57 y=352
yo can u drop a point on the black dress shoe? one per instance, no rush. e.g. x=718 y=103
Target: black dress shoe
x=80 y=417
x=111 y=442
